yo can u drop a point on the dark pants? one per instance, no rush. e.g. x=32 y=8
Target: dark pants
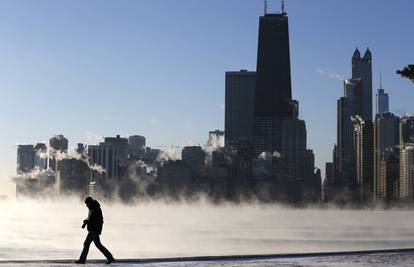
x=93 y=236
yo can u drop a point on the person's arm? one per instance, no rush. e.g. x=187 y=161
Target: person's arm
x=86 y=221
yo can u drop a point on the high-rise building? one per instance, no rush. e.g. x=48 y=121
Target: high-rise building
x=40 y=158
x=151 y=155
x=216 y=138
x=273 y=94
x=193 y=156
x=72 y=177
x=389 y=175
x=357 y=102
x=293 y=135
x=297 y=160
x=31 y=183
x=345 y=157
x=348 y=107
x=406 y=130
x=175 y=175
x=328 y=183
x=354 y=89
x=242 y=165
x=407 y=173
x=57 y=144
x=407 y=158
x=136 y=147
x=279 y=137
x=112 y=156
x=386 y=136
x=25 y=158
x=362 y=68
x=81 y=149
x=239 y=105
x=382 y=101
x=364 y=159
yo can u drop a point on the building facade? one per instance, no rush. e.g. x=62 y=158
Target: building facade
x=136 y=147
x=407 y=173
x=364 y=159
x=386 y=137
x=57 y=144
x=382 y=101
x=112 y=156
x=406 y=130
x=25 y=158
x=389 y=175
x=40 y=159
x=194 y=157
x=345 y=161
x=362 y=68
x=239 y=105
x=72 y=177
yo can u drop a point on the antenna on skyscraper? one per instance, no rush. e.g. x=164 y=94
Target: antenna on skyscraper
x=380 y=80
x=282 y=5
x=265 y=7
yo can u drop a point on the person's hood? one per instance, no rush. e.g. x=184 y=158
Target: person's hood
x=96 y=204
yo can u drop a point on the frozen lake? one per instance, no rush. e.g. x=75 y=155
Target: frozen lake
x=52 y=230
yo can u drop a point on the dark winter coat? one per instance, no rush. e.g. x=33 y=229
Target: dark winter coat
x=95 y=218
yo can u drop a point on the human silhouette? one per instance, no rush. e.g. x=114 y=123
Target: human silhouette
x=94 y=223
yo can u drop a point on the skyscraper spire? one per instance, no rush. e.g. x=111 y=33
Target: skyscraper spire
x=368 y=55
x=380 y=80
x=265 y=7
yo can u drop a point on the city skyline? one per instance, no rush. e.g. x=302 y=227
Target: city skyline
x=191 y=128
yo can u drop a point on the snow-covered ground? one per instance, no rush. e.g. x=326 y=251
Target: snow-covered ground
x=377 y=260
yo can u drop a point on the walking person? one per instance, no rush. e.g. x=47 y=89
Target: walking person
x=94 y=224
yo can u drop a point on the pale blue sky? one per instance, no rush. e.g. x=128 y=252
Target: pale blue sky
x=156 y=67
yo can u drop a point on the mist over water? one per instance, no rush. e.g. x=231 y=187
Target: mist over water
x=45 y=229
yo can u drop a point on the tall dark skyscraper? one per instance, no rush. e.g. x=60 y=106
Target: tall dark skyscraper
x=362 y=68
x=279 y=136
x=347 y=107
x=265 y=136
x=354 y=128
x=273 y=93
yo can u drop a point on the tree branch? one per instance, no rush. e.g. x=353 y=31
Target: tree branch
x=407 y=72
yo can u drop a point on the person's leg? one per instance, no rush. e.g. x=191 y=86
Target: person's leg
x=86 y=245
x=101 y=247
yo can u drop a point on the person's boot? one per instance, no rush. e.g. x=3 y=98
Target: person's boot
x=79 y=262
x=109 y=261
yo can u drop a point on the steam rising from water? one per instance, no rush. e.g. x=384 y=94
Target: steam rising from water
x=72 y=154
x=269 y=156
x=333 y=76
x=52 y=229
x=169 y=153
